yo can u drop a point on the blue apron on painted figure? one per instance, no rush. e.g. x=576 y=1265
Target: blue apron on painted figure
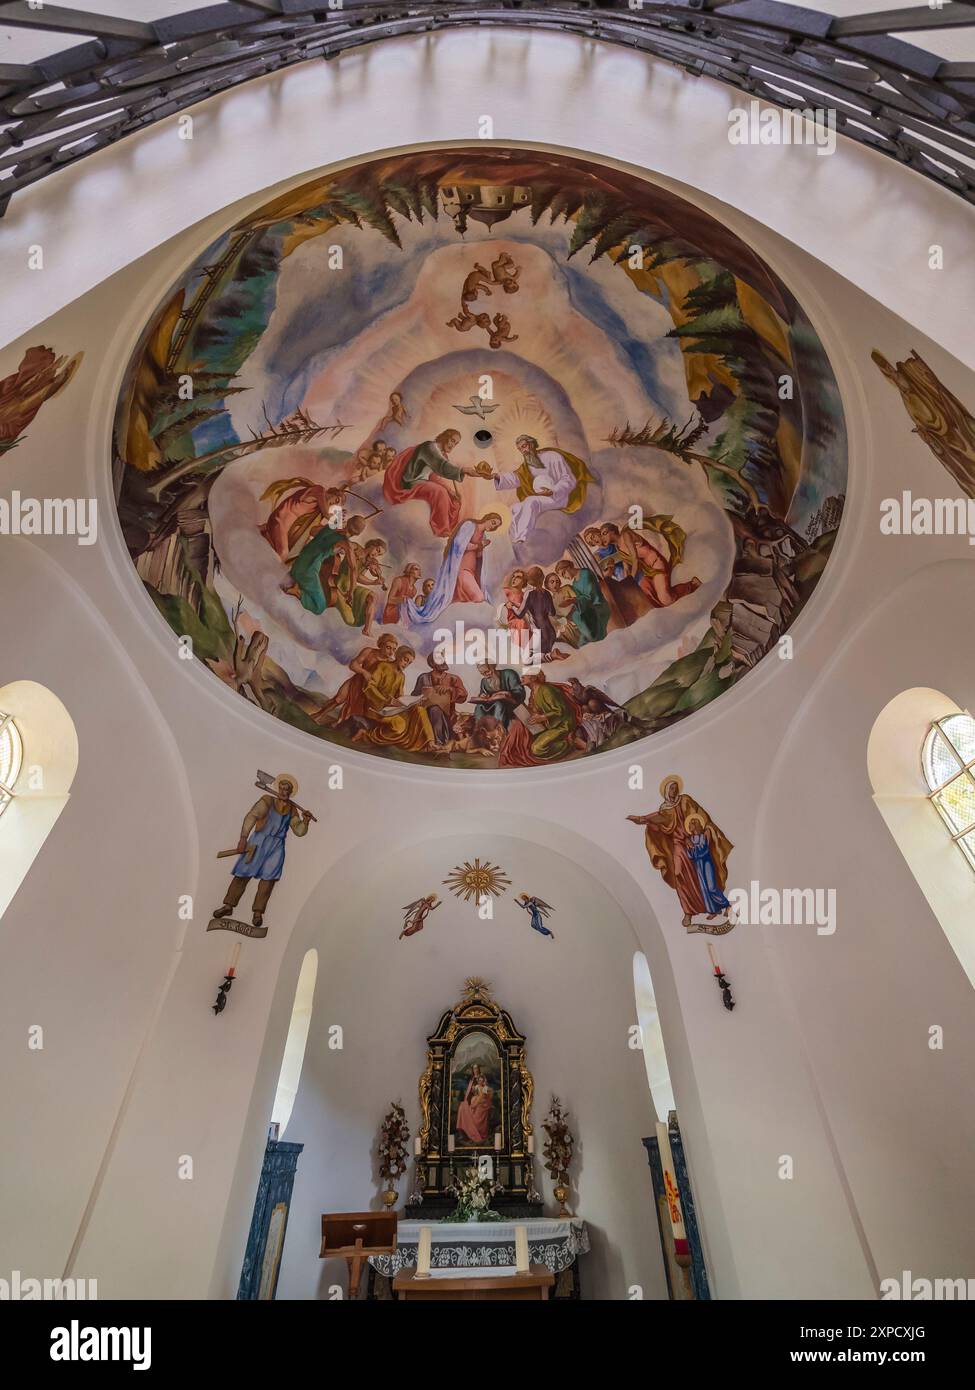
x=267 y=861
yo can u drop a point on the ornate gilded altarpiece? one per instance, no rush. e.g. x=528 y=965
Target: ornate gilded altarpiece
x=477 y=1090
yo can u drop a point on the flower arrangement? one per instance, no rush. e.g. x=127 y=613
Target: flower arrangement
x=394 y=1136
x=558 y=1150
x=473 y=1193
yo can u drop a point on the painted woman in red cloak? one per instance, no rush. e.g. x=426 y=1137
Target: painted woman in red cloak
x=474 y=1111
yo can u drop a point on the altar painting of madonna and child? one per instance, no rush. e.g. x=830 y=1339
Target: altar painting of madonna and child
x=475 y=1092
x=480 y=458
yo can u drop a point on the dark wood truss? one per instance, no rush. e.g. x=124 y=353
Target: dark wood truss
x=124 y=74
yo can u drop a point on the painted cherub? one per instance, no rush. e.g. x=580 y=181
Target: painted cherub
x=417 y=913
x=501 y=333
x=397 y=413
x=506 y=273
x=465 y=321
x=475 y=282
x=361 y=463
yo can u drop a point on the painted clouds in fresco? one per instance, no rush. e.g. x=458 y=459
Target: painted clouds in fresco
x=325 y=321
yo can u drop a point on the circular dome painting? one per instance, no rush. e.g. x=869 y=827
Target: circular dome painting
x=480 y=458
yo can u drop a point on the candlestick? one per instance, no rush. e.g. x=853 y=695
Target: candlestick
x=450 y=1143
x=424 y=1246
x=672 y=1195
x=497 y=1141
x=417 y=1146
x=521 y=1249
x=531 y=1143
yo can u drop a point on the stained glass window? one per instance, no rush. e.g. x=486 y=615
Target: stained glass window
x=948 y=763
x=11 y=757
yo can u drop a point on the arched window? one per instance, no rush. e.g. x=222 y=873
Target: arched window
x=652 y=1038
x=905 y=786
x=38 y=761
x=948 y=760
x=294 y=1048
x=11 y=758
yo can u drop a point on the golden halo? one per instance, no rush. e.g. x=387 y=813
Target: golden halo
x=286 y=777
x=477 y=880
x=671 y=777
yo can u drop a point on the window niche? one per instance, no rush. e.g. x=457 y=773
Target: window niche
x=920 y=759
x=38 y=761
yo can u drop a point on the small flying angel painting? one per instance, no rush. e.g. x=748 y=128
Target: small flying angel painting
x=416 y=914
x=536 y=908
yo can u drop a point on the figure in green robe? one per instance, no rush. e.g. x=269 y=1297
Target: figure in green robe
x=591 y=611
x=327 y=546
x=552 y=718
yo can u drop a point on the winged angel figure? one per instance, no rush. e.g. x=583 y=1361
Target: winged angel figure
x=536 y=908
x=416 y=914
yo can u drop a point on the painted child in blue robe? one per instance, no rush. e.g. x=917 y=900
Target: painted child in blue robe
x=700 y=852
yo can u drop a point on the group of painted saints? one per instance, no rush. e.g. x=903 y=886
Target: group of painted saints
x=614 y=574
x=415 y=914
x=684 y=844
x=520 y=718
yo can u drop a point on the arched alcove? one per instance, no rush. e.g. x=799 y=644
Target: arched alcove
x=570 y=994
x=900 y=793
x=42 y=768
x=380 y=996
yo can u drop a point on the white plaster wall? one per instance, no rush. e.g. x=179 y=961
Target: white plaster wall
x=544 y=89
x=901 y=1114
x=91 y=937
x=167 y=763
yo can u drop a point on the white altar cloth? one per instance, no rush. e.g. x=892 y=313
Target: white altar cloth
x=554 y=1242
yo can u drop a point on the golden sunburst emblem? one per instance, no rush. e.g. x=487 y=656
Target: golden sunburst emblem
x=477 y=880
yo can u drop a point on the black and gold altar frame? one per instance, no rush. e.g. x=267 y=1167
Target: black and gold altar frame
x=476 y=1012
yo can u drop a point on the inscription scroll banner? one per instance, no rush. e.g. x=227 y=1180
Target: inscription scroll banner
x=241 y=928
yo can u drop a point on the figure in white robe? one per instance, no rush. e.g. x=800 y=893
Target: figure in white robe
x=548 y=480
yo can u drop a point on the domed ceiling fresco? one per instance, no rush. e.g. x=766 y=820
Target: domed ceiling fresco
x=480 y=458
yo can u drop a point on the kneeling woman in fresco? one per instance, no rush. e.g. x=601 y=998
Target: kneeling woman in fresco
x=411 y=730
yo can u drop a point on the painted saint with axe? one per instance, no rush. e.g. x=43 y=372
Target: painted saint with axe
x=260 y=850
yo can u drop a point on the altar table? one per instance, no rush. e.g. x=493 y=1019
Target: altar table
x=533 y=1284
x=552 y=1241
